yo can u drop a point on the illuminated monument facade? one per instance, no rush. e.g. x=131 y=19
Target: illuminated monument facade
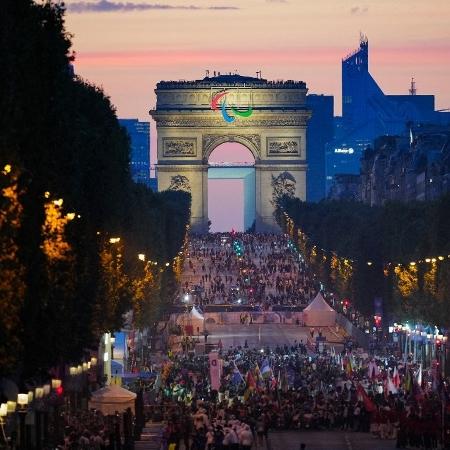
x=269 y=118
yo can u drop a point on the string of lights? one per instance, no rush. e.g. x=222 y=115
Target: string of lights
x=423 y=260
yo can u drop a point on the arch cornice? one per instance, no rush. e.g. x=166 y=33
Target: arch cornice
x=211 y=141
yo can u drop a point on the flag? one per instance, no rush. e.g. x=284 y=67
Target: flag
x=348 y=366
x=258 y=373
x=396 y=378
x=266 y=371
x=389 y=386
x=368 y=403
x=250 y=380
x=236 y=377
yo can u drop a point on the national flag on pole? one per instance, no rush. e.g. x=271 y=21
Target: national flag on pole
x=258 y=373
x=250 y=380
x=266 y=371
x=396 y=378
x=348 y=366
x=368 y=403
x=389 y=386
x=236 y=377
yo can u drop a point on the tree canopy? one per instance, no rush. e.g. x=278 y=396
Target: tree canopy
x=399 y=252
x=66 y=196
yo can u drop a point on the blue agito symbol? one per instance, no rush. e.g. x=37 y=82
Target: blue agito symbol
x=223 y=107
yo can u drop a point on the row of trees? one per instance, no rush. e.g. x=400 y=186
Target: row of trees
x=399 y=253
x=66 y=198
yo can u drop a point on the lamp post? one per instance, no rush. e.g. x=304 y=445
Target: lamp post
x=107 y=356
x=22 y=402
x=3 y=414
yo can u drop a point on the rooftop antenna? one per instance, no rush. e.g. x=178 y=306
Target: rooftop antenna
x=363 y=38
x=412 y=89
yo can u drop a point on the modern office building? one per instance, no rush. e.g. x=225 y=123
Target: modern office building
x=367 y=113
x=139 y=133
x=320 y=132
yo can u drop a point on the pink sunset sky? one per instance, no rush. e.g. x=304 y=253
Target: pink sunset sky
x=127 y=46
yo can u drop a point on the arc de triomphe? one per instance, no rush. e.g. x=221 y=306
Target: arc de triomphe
x=269 y=118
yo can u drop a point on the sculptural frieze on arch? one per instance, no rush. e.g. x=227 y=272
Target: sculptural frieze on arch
x=269 y=118
x=177 y=147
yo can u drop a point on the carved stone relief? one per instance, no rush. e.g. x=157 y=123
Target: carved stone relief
x=180 y=183
x=283 y=146
x=179 y=147
x=219 y=123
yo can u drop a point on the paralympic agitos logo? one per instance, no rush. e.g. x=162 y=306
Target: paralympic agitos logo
x=223 y=106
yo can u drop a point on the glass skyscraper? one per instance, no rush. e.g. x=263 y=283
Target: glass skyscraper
x=139 y=133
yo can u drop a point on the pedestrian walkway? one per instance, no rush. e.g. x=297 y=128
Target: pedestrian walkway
x=150 y=437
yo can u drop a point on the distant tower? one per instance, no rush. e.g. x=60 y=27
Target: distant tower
x=412 y=89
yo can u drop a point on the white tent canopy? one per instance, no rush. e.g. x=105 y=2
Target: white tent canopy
x=194 y=318
x=319 y=313
x=112 y=398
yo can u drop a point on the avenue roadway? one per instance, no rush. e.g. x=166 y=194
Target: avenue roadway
x=327 y=440
x=264 y=335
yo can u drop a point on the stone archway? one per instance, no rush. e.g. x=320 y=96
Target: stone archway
x=212 y=141
x=231 y=187
x=269 y=119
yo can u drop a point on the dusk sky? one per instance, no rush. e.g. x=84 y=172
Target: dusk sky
x=127 y=47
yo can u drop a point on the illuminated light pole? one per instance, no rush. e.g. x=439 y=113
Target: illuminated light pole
x=107 y=356
x=22 y=402
x=3 y=414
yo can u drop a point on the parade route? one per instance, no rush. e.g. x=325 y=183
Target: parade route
x=329 y=440
x=264 y=335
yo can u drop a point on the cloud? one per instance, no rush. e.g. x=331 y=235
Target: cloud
x=109 y=6
x=276 y=1
x=359 y=10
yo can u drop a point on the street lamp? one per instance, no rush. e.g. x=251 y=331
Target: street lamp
x=141 y=257
x=3 y=414
x=22 y=401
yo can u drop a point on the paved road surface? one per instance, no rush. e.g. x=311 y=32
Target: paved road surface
x=327 y=440
x=264 y=335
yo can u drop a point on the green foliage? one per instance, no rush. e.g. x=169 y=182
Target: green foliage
x=379 y=243
x=61 y=135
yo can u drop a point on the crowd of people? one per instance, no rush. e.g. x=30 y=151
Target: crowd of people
x=92 y=430
x=266 y=273
x=290 y=388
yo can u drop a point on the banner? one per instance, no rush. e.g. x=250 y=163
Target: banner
x=214 y=370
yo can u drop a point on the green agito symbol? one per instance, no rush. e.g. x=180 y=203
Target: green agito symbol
x=227 y=117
